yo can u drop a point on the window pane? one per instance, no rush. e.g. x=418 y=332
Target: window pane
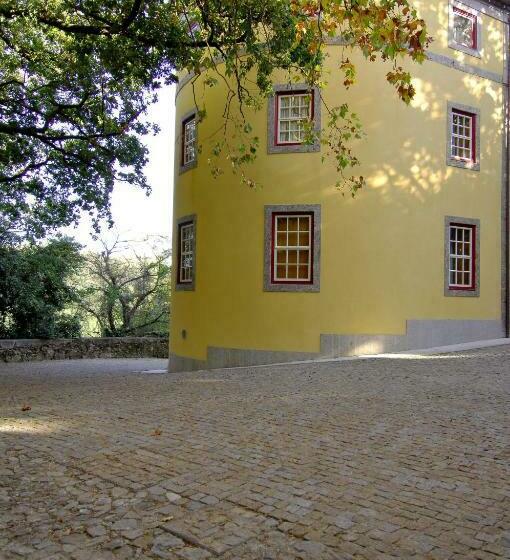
x=304 y=239
x=293 y=224
x=304 y=224
x=282 y=239
x=303 y=272
x=292 y=272
x=281 y=224
x=304 y=256
x=292 y=239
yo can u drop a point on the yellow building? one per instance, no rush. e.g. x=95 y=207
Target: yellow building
x=294 y=270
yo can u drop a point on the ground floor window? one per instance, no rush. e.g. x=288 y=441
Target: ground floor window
x=462 y=255
x=186 y=233
x=292 y=248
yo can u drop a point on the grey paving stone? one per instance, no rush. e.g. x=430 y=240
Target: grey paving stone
x=376 y=459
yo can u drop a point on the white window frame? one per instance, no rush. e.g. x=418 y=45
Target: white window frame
x=467 y=254
x=186 y=253
x=457 y=138
x=455 y=255
x=473 y=19
x=290 y=119
x=189 y=141
x=473 y=162
x=286 y=248
x=312 y=283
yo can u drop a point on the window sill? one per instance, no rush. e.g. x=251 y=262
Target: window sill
x=461 y=164
x=455 y=292
x=187 y=167
x=466 y=50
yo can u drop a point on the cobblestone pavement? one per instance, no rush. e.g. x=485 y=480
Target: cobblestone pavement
x=371 y=459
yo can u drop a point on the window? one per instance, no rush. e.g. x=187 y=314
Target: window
x=186 y=228
x=463 y=146
x=188 y=141
x=461 y=256
x=465 y=28
x=292 y=248
x=294 y=111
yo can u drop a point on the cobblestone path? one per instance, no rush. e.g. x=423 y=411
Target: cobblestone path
x=370 y=459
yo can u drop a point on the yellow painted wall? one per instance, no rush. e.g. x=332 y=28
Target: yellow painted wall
x=382 y=252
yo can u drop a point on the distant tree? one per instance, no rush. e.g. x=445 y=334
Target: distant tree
x=126 y=293
x=77 y=76
x=36 y=290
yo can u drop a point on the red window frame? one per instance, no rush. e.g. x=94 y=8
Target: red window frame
x=277 y=113
x=179 y=253
x=473 y=134
x=183 y=138
x=474 y=25
x=274 y=280
x=474 y=256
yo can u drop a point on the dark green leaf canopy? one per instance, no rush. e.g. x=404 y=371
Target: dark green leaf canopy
x=77 y=76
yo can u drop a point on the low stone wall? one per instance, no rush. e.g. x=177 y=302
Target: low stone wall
x=76 y=348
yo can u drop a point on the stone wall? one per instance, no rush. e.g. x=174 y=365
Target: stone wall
x=76 y=348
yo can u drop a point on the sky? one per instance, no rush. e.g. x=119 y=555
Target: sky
x=136 y=215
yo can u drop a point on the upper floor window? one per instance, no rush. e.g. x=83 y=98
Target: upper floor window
x=294 y=111
x=465 y=29
x=463 y=136
x=186 y=253
x=292 y=248
x=188 y=140
x=461 y=258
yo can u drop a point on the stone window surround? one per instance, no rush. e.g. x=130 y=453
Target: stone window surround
x=465 y=7
x=451 y=160
x=314 y=286
x=192 y=164
x=452 y=292
x=272 y=146
x=186 y=286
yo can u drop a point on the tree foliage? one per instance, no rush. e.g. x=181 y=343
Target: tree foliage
x=36 y=290
x=76 y=77
x=126 y=293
